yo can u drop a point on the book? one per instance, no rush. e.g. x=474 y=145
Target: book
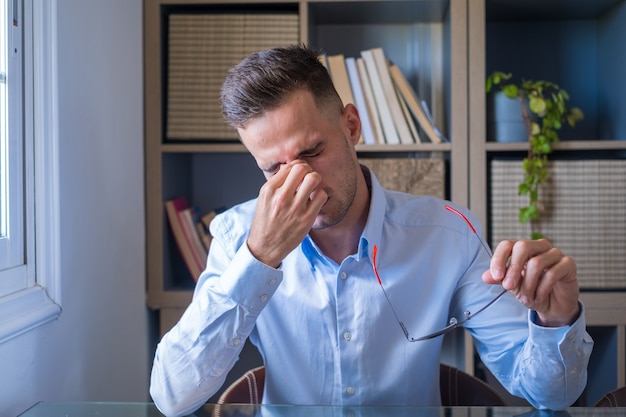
x=183 y=239
x=432 y=121
x=203 y=227
x=323 y=58
x=205 y=236
x=341 y=80
x=414 y=104
x=409 y=119
x=382 y=106
x=339 y=75
x=359 y=100
x=188 y=219
x=370 y=102
x=208 y=218
x=392 y=98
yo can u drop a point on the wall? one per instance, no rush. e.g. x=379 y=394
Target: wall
x=98 y=350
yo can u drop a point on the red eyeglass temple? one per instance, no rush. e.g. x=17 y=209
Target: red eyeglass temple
x=455 y=211
x=374 y=253
x=447 y=207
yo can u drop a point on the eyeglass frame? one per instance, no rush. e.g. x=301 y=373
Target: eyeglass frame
x=453 y=323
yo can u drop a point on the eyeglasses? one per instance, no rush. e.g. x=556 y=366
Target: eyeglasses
x=453 y=323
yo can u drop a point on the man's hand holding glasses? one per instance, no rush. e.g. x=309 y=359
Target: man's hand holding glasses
x=540 y=276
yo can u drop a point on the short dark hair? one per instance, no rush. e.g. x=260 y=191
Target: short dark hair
x=261 y=81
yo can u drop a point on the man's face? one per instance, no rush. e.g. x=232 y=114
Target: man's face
x=298 y=131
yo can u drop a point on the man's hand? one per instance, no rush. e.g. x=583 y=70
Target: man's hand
x=287 y=206
x=540 y=276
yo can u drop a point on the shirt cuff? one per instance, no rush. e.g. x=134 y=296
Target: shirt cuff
x=541 y=334
x=248 y=281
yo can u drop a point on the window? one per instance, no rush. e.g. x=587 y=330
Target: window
x=29 y=279
x=12 y=192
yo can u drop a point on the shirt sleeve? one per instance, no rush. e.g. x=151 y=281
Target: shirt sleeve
x=193 y=359
x=550 y=370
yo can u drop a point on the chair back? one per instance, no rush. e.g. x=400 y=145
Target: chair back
x=458 y=388
x=248 y=389
x=615 y=398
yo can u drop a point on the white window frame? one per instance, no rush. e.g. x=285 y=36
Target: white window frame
x=39 y=301
x=12 y=238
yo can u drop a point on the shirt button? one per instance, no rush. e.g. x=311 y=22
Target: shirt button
x=344 y=275
x=236 y=341
x=271 y=281
x=347 y=336
x=350 y=390
x=263 y=298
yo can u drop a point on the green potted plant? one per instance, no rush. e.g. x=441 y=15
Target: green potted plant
x=543 y=111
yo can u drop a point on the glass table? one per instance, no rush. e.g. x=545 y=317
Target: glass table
x=113 y=409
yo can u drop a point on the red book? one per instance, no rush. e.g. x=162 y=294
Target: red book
x=186 y=237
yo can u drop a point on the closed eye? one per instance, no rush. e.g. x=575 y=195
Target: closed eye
x=313 y=152
x=272 y=169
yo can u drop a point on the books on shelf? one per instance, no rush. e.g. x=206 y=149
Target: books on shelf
x=367 y=133
x=391 y=111
x=391 y=97
x=415 y=105
x=182 y=220
x=337 y=67
x=370 y=103
x=409 y=118
x=382 y=106
x=339 y=75
x=203 y=227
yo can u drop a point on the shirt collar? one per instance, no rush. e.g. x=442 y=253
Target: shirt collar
x=372 y=232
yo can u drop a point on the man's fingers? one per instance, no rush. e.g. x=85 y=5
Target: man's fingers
x=295 y=174
x=510 y=257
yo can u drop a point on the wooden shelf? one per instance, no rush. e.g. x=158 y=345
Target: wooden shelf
x=239 y=148
x=570 y=145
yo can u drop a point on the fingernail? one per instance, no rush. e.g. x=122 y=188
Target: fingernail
x=496 y=273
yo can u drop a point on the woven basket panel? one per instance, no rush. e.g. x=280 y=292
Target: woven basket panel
x=584 y=215
x=201 y=49
x=419 y=176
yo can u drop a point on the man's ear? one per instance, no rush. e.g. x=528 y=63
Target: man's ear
x=352 y=123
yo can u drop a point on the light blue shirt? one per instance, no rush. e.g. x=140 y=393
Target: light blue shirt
x=328 y=336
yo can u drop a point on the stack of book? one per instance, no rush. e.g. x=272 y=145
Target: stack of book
x=391 y=111
x=191 y=233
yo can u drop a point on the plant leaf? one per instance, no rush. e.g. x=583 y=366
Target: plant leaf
x=537 y=105
x=510 y=90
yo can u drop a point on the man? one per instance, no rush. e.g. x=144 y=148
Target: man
x=297 y=271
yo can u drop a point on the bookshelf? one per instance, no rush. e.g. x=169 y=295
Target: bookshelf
x=426 y=40
x=574 y=44
x=445 y=48
x=211 y=172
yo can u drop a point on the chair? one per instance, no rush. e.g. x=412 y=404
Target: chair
x=248 y=389
x=615 y=398
x=458 y=388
